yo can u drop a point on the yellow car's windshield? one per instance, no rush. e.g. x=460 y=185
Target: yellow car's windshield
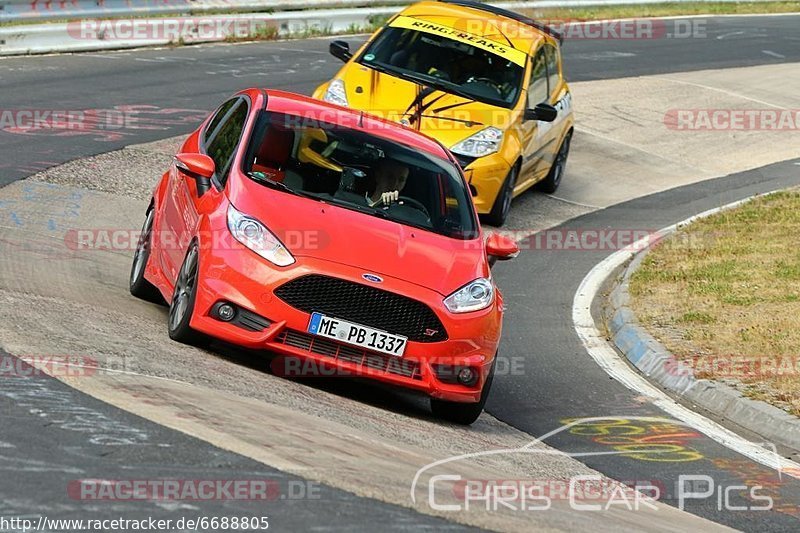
x=452 y=65
x=361 y=171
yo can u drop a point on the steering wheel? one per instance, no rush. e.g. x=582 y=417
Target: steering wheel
x=416 y=204
x=491 y=83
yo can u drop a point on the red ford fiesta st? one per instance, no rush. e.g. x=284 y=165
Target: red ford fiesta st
x=329 y=237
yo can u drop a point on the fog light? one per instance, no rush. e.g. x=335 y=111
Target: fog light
x=467 y=376
x=226 y=312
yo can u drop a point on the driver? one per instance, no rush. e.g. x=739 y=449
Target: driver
x=390 y=178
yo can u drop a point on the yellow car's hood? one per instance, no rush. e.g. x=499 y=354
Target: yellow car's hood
x=450 y=119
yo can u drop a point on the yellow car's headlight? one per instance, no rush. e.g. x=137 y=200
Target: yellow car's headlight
x=336 y=93
x=485 y=142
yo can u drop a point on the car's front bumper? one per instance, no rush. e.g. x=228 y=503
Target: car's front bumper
x=239 y=276
x=486 y=176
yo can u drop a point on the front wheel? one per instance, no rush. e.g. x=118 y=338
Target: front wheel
x=553 y=179
x=502 y=204
x=464 y=413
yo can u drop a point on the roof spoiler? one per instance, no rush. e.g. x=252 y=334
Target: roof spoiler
x=509 y=14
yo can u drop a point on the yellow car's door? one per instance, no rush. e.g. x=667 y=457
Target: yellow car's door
x=552 y=132
x=535 y=147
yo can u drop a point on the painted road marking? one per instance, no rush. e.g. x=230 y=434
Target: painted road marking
x=717 y=89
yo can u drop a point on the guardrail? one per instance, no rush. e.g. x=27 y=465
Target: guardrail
x=92 y=33
x=133 y=33
x=31 y=10
x=28 y=10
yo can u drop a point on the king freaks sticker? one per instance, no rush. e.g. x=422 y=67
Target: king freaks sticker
x=503 y=50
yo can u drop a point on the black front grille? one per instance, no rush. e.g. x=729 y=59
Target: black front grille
x=365 y=305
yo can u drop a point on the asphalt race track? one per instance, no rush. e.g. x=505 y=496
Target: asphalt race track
x=173 y=89
x=197 y=78
x=568 y=383
x=43 y=418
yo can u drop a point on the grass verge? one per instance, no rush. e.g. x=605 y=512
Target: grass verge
x=723 y=295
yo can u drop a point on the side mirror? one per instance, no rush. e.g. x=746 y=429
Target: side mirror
x=199 y=167
x=341 y=50
x=543 y=112
x=500 y=248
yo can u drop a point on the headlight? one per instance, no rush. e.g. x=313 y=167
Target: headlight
x=485 y=142
x=473 y=296
x=258 y=238
x=336 y=93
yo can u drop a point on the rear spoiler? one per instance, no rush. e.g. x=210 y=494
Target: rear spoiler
x=509 y=14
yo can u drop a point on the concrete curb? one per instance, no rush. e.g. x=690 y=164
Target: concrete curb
x=660 y=366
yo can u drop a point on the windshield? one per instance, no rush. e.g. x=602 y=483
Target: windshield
x=360 y=171
x=461 y=68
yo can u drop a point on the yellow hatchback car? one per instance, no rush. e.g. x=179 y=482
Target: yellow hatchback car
x=485 y=82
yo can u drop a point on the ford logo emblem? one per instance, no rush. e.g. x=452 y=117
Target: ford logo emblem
x=372 y=277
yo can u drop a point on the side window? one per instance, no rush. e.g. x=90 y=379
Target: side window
x=537 y=88
x=552 y=67
x=218 y=116
x=226 y=139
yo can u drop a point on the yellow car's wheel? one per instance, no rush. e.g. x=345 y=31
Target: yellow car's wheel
x=553 y=179
x=502 y=204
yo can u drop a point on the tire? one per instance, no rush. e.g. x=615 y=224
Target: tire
x=502 y=204
x=464 y=413
x=553 y=179
x=139 y=286
x=181 y=306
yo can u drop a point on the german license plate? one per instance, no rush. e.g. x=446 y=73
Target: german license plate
x=357 y=335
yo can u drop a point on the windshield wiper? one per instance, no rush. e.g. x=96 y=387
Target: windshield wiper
x=374 y=211
x=430 y=81
x=280 y=186
x=439 y=84
x=417 y=105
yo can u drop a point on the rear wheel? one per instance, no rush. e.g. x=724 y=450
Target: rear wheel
x=553 y=179
x=464 y=413
x=502 y=204
x=181 y=307
x=139 y=286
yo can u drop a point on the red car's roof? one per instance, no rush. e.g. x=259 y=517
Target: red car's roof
x=317 y=110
